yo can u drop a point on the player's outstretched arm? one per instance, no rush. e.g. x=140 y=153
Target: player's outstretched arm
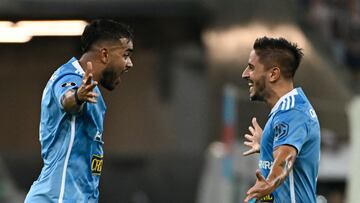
x=73 y=99
x=284 y=158
x=253 y=139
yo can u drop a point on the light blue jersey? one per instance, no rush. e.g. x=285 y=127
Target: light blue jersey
x=293 y=122
x=71 y=145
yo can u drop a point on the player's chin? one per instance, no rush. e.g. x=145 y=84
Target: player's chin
x=253 y=97
x=256 y=97
x=110 y=86
x=113 y=86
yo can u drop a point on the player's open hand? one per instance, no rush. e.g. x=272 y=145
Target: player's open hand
x=85 y=92
x=261 y=188
x=253 y=139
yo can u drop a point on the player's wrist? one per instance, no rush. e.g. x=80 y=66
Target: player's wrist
x=77 y=99
x=256 y=148
x=274 y=182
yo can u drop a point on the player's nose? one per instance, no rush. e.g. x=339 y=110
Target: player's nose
x=245 y=73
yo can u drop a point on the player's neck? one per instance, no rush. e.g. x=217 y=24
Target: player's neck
x=278 y=91
x=87 y=57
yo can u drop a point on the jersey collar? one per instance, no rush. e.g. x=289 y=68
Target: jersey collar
x=289 y=94
x=76 y=64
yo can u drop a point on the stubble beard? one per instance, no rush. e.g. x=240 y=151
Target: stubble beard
x=259 y=89
x=107 y=79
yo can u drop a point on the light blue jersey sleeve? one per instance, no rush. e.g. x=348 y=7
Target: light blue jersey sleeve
x=65 y=83
x=290 y=129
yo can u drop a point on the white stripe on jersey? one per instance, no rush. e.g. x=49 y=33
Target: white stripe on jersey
x=71 y=142
x=288 y=103
x=292 y=101
x=79 y=70
x=292 y=187
x=283 y=105
x=285 y=102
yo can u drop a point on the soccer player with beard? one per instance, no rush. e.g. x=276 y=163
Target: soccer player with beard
x=289 y=145
x=72 y=114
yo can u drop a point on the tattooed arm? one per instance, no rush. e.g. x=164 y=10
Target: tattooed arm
x=284 y=158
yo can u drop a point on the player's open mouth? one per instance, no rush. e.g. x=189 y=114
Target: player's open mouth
x=122 y=72
x=125 y=71
x=251 y=86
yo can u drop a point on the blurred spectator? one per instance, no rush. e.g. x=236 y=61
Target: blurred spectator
x=338 y=23
x=319 y=16
x=352 y=55
x=329 y=140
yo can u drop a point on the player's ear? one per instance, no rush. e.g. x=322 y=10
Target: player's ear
x=104 y=55
x=274 y=73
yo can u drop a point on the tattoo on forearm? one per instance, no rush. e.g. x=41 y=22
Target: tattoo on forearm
x=289 y=164
x=286 y=164
x=277 y=182
x=283 y=164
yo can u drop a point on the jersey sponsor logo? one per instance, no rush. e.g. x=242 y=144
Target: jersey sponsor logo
x=265 y=164
x=267 y=199
x=96 y=164
x=68 y=84
x=312 y=113
x=281 y=130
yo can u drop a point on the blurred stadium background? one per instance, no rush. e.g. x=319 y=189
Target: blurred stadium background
x=174 y=128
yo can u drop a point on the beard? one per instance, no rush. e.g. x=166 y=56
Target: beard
x=259 y=89
x=108 y=79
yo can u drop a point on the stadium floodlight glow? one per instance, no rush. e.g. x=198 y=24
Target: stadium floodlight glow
x=53 y=28
x=237 y=39
x=12 y=34
x=23 y=31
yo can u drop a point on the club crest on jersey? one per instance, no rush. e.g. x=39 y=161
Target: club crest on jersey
x=267 y=199
x=68 y=84
x=281 y=130
x=96 y=164
x=98 y=137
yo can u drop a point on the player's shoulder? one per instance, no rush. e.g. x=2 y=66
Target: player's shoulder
x=290 y=114
x=294 y=105
x=72 y=67
x=286 y=103
x=299 y=113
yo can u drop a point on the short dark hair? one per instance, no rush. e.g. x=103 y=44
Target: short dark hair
x=279 y=52
x=104 y=30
